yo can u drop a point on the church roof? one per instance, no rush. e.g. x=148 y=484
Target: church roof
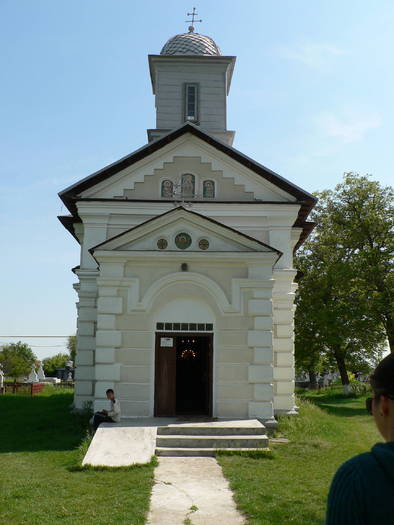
x=180 y=212
x=307 y=201
x=70 y=195
x=190 y=44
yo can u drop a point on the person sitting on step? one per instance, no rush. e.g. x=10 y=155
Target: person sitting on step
x=108 y=416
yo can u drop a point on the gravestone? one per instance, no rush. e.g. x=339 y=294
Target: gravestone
x=41 y=373
x=33 y=377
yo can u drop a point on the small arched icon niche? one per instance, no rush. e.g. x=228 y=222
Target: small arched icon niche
x=188 y=185
x=208 y=189
x=167 y=188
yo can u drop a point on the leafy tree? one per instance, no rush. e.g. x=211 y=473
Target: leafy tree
x=360 y=215
x=17 y=359
x=338 y=313
x=308 y=351
x=72 y=347
x=51 y=364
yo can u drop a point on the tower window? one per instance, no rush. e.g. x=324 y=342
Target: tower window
x=191 y=102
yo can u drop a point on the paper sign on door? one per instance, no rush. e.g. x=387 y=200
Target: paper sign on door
x=166 y=341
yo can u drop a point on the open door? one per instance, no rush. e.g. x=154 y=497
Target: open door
x=165 y=377
x=183 y=374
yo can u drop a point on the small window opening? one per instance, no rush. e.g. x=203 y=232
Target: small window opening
x=191 y=95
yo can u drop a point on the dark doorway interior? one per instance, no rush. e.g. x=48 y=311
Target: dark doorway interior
x=183 y=376
x=193 y=375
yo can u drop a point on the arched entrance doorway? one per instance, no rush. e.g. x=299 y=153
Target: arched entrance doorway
x=184 y=359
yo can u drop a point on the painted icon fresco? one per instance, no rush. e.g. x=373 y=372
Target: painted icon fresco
x=188 y=185
x=167 y=188
x=208 y=190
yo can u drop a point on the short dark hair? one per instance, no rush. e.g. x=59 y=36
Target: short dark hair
x=382 y=379
x=109 y=391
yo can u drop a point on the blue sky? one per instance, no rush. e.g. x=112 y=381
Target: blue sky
x=312 y=97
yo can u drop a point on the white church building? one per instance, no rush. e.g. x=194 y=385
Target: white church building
x=186 y=279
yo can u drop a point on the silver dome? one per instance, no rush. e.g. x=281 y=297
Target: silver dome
x=190 y=44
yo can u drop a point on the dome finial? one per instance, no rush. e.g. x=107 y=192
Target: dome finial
x=193 y=15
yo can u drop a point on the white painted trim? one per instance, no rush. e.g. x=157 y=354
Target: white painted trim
x=185 y=146
x=124 y=256
x=180 y=215
x=134 y=303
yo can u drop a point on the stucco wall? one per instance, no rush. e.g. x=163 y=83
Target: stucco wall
x=242 y=384
x=226 y=189
x=170 y=80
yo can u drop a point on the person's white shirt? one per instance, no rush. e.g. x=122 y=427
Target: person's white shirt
x=115 y=410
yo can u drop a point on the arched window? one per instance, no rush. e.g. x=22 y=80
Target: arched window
x=208 y=189
x=188 y=185
x=167 y=189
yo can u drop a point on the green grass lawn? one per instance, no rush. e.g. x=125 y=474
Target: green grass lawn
x=41 y=481
x=292 y=487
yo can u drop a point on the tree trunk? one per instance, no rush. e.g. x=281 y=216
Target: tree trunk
x=388 y=318
x=340 y=359
x=312 y=379
x=390 y=330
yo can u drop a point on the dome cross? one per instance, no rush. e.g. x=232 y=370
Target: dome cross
x=193 y=14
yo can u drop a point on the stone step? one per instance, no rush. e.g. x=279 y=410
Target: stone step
x=214 y=442
x=198 y=452
x=247 y=427
x=183 y=430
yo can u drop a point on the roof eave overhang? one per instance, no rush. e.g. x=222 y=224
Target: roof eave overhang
x=68 y=222
x=307 y=229
x=182 y=211
x=69 y=196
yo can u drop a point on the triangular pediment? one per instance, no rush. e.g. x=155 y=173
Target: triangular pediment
x=181 y=230
x=139 y=176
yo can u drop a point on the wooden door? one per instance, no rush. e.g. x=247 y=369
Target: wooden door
x=165 y=375
x=210 y=376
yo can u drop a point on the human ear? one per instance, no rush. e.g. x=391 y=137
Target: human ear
x=385 y=406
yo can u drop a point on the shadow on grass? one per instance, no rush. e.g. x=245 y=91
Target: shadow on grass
x=103 y=468
x=36 y=423
x=343 y=411
x=338 y=404
x=253 y=454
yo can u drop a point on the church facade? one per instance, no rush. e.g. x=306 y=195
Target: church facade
x=186 y=279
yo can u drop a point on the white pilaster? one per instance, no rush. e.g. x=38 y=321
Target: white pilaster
x=260 y=372
x=283 y=342
x=108 y=337
x=86 y=326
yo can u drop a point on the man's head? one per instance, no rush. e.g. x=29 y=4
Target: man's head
x=110 y=394
x=382 y=382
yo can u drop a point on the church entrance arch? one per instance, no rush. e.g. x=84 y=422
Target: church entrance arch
x=183 y=374
x=184 y=318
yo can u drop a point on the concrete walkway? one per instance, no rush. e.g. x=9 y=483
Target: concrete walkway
x=192 y=488
x=125 y=443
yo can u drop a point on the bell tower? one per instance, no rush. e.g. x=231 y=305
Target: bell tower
x=191 y=80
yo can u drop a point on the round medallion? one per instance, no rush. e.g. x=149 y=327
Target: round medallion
x=162 y=244
x=203 y=244
x=183 y=241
